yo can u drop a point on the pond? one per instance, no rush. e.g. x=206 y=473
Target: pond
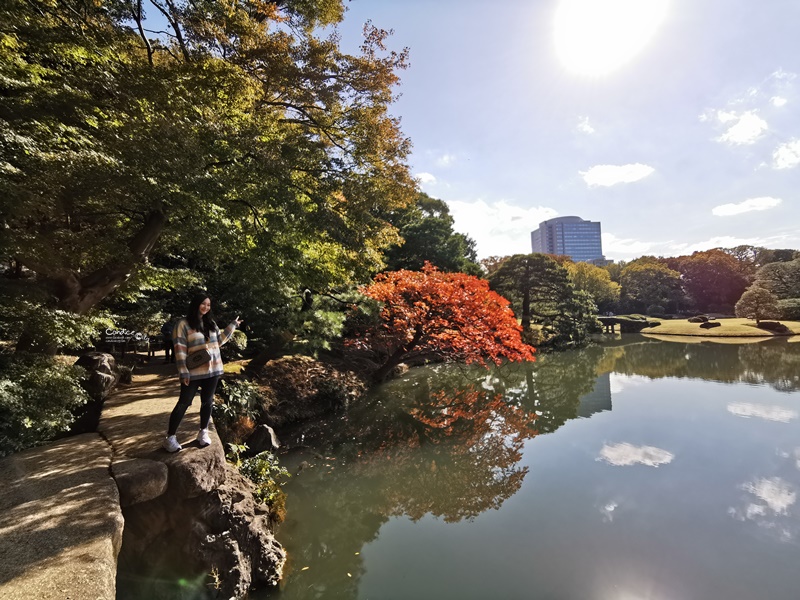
x=636 y=470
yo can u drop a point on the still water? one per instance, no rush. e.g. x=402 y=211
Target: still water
x=638 y=470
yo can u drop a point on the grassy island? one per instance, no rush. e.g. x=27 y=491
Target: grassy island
x=729 y=327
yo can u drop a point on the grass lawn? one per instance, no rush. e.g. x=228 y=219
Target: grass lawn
x=729 y=328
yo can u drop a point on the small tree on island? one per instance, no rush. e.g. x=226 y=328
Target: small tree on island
x=757 y=303
x=447 y=316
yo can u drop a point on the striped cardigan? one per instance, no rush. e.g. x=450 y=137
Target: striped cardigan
x=188 y=340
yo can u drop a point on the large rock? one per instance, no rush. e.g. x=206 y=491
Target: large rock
x=195 y=471
x=223 y=536
x=103 y=376
x=262 y=439
x=139 y=480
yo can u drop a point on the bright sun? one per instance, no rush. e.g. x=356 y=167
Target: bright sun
x=594 y=37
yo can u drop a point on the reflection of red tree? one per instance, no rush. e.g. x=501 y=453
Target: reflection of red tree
x=452 y=316
x=453 y=455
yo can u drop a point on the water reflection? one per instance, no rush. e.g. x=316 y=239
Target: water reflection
x=447 y=443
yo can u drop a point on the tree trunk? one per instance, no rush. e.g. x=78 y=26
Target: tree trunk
x=79 y=294
x=526 y=310
x=397 y=356
x=275 y=350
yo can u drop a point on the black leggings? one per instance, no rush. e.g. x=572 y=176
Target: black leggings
x=207 y=388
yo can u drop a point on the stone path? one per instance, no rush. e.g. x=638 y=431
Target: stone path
x=60 y=517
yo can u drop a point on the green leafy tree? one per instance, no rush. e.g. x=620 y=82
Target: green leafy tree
x=615 y=270
x=595 y=281
x=540 y=292
x=713 y=279
x=237 y=141
x=780 y=278
x=757 y=303
x=649 y=283
x=427 y=231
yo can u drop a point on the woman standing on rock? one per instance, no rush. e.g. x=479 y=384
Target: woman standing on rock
x=196 y=340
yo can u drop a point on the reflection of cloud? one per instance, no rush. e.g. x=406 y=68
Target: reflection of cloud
x=768 y=413
x=608 y=511
x=774 y=491
x=770 y=510
x=763 y=203
x=619 y=382
x=787 y=155
x=608 y=175
x=624 y=454
x=425 y=178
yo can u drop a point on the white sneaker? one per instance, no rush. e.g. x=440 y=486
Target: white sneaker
x=203 y=438
x=171 y=444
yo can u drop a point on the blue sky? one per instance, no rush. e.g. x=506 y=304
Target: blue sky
x=676 y=123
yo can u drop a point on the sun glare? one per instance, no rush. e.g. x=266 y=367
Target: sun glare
x=595 y=37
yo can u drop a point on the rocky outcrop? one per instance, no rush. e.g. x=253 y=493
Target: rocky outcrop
x=102 y=378
x=102 y=370
x=263 y=439
x=191 y=521
x=206 y=524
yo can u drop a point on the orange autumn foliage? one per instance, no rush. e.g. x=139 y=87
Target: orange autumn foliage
x=450 y=316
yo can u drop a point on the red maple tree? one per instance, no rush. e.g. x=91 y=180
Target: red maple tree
x=448 y=316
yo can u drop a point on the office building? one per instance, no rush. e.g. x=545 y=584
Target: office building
x=570 y=236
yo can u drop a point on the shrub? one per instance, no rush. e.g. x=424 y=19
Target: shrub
x=37 y=399
x=654 y=310
x=775 y=326
x=236 y=409
x=332 y=394
x=710 y=324
x=51 y=328
x=789 y=309
x=265 y=472
x=698 y=319
x=235 y=346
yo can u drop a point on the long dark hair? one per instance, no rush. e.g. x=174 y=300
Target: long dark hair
x=207 y=323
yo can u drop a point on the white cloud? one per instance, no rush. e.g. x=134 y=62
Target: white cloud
x=500 y=228
x=425 y=178
x=768 y=413
x=724 y=241
x=620 y=247
x=778 y=101
x=747 y=128
x=780 y=74
x=584 y=126
x=751 y=204
x=624 y=454
x=607 y=175
x=445 y=160
x=787 y=155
